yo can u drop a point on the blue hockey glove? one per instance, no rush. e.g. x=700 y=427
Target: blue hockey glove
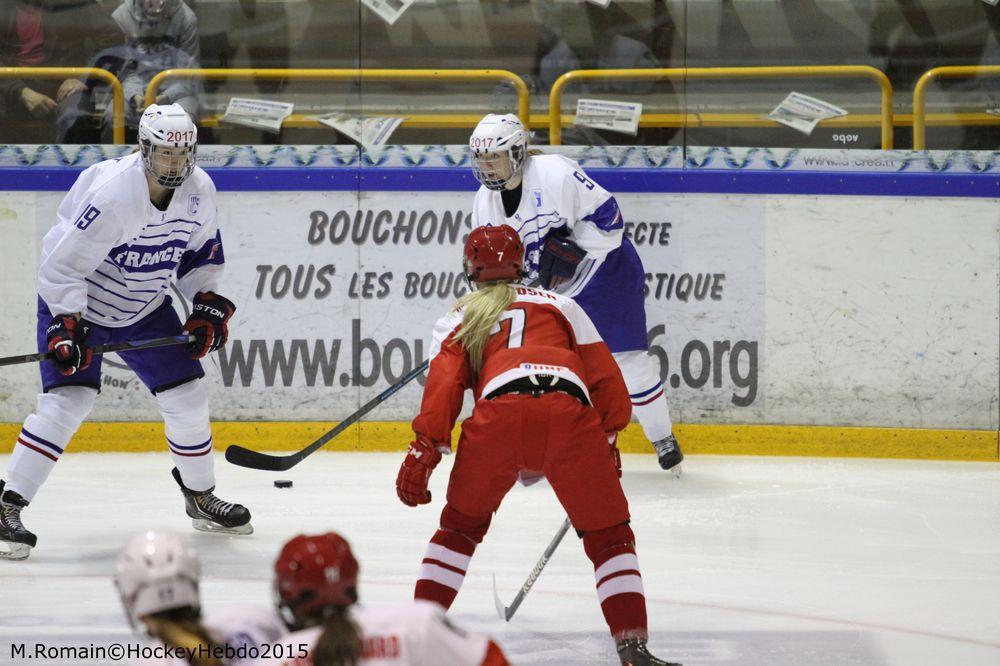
x=559 y=259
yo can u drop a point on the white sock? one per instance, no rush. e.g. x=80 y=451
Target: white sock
x=649 y=397
x=189 y=433
x=44 y=437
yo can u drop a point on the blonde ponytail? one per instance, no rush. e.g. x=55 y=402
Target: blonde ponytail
x=339 y=644
x=181 y=628
x=483 y=308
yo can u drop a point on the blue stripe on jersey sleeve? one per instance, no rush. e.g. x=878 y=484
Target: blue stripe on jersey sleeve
x=607 y=217
x=209 y=253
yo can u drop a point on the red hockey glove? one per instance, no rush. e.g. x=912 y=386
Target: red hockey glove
x=208 y=321
x=616 y=455
x=67 y=339
x=411 y=482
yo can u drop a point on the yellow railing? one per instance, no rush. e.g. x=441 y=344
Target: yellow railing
x=74 y=72
x=920 y=94
x=502 y=75
x=847 y=71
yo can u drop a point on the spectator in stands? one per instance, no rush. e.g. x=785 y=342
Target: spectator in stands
x=613 y=39
x=169 y=21
x=157 y=35
x=908 y=38
x=227 y=26
x=262 y=27
x=164 y=35
x=46 y=33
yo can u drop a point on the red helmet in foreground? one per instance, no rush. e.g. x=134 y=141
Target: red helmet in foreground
x=313 y=575
x=494 y=254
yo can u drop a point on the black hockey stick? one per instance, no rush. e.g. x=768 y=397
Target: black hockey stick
x=238 y=455
x=507 y=612
x=131 y=345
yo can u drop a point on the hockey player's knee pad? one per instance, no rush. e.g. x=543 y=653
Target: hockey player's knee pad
x=185 y=407
x=471 y=527
x=601 y=545
x=65 y=407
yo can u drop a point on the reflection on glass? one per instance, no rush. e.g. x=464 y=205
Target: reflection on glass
x=537 y=40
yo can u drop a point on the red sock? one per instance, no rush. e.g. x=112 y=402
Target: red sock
x=444 y=566
x=619 y=583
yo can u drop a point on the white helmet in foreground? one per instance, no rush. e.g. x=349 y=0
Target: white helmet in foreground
x=156 y=572
x=168 y=140
x=499 y=146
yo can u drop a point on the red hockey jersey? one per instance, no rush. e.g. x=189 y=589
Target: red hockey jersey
x=540 y=333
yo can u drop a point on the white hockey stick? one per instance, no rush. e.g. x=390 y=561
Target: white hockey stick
x=507 y=612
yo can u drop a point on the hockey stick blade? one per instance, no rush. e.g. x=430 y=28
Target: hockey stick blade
x=244 y=457
x=501 y=609
x=507 y=612
x=131 y=345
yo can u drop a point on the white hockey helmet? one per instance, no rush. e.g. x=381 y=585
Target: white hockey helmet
x=168 y=141
x=156 y=572
x=499 y=146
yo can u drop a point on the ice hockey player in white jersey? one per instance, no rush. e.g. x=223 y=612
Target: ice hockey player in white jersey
x=575 y=245
x=316 y=584
x=127 y=229
x=157 y=577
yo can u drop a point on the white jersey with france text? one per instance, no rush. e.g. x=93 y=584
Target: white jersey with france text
x=415 y=633
x=557 y=196
x=112 y=255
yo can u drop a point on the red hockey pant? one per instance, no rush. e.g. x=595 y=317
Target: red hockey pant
x=554 y=434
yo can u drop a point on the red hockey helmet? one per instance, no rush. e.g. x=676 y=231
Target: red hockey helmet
x=314 y=575
x=494 y=254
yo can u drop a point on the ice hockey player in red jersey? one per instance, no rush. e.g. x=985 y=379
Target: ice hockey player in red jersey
x=316 y=586
x=549 y=399
x=575 y=245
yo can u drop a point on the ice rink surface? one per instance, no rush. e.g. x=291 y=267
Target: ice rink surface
x=777 y=561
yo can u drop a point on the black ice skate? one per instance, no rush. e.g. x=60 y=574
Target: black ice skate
x=633 y=652
x=210 y=514
x=15 y=541
x=668 y=451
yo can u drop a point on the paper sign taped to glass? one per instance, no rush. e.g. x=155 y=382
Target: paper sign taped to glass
x=257 y=113
x=372 y=131
x=388 y=10
x=803 y=113
x=608 y=115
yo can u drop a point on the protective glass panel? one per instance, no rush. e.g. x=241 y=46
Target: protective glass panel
x=519 y=56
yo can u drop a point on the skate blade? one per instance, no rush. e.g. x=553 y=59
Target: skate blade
x=676 y=471
x=203 y=525
x=14 y=551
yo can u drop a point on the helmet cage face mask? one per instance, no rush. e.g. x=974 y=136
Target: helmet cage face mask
x=496 y=169
x=169 y=166
x=499 y=147
x=168 y=141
